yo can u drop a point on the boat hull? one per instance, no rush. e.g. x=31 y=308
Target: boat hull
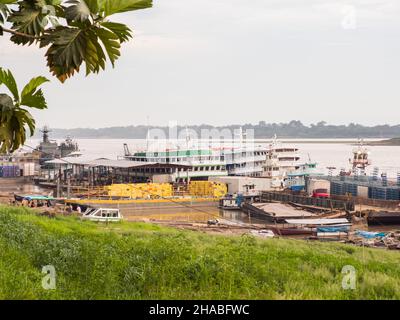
x=384 y=218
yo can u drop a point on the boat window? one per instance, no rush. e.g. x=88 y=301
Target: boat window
x=89 y=212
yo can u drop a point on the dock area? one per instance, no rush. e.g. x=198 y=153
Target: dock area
x=276 y=212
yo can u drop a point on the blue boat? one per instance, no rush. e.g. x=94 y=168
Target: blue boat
x=296 y=180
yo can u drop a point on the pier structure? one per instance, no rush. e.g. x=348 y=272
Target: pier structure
x=102 y=172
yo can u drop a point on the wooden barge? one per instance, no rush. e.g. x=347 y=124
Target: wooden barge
x=384 y=218
x=275 y=212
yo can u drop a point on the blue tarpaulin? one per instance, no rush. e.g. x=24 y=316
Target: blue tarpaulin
x=29 y=198
x=333 y=229
x=370 y=235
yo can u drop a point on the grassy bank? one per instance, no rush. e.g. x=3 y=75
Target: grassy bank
x=144 y=261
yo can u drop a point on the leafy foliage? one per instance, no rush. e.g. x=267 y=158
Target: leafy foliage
x=3 y=15
x=119 y=29
x=78 y=11
x=67 y=52
x=33 y=97
x=117 y=6
x=8 y=80
x=13 y=118
x=75 y=31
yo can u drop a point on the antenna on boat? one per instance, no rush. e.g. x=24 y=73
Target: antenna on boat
x=45 y=130
x=330 y=171
x=126 y=150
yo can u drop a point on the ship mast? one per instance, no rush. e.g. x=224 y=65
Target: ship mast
x=360 y=159
x=46 y=132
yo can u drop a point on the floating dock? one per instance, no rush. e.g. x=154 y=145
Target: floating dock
x=276 y=212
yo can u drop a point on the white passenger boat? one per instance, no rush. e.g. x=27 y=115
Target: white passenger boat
x=242 y=158
x=281 y=160
x=102 y=215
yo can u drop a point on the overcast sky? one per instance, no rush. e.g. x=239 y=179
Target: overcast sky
x=236 y=61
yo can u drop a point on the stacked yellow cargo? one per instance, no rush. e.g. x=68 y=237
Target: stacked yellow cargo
x=220 y=190
x=119 y=190
x=207 y=189
x=140 y=190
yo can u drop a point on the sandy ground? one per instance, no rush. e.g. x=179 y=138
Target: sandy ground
x=214 y=229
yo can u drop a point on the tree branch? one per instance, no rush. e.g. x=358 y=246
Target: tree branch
x=21 y=34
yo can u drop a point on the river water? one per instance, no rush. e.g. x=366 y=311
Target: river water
x=326 y=153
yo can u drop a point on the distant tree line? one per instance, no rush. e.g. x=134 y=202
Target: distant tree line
x=293 y=129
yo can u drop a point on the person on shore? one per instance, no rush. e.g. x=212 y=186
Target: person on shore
x=69 y=209
x=78 y=208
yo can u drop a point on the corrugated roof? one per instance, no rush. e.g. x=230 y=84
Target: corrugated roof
x=73 y=160
x=123 y=164
x=118 y=163
x=56 y=161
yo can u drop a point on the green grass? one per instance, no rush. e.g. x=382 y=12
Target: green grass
x=145 y=261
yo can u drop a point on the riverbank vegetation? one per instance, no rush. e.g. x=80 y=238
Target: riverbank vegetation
x=263 y=130
x=145 y=261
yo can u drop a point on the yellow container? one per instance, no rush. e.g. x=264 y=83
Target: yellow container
x=207 y=189
x=140 y=190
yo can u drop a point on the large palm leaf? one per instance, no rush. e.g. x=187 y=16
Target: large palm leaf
x=16 y=121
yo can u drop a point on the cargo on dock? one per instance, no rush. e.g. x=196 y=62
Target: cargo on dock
x=207 y=188
x=140 y=190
